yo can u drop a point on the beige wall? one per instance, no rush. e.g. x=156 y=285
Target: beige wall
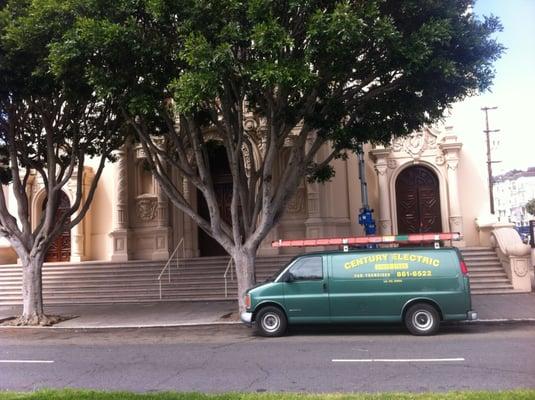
x=101 y=214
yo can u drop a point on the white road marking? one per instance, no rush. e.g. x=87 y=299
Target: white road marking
x=26 y=362
x=398 y=360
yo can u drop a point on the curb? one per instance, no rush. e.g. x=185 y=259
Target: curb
x=179 y=325
x=494 y=321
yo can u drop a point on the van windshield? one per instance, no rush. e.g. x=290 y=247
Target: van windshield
x=274 y=276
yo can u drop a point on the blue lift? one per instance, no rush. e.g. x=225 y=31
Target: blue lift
x=365 y=213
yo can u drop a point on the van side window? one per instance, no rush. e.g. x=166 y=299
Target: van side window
x=308 y=268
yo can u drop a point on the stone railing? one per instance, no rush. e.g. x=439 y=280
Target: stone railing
x=514 y=255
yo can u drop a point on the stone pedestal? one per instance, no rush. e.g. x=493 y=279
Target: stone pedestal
x=120 y=242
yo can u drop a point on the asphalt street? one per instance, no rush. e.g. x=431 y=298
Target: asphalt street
x=231 y=358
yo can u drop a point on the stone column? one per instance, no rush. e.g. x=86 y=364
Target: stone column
x=119 y=234
x=381 y=167
x=451 y=150
x=161 y=230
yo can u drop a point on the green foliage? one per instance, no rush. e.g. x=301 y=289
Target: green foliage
x=37 y=99
x=530 y=206
x=315 y=74
x=69 y=394
x=353 y=71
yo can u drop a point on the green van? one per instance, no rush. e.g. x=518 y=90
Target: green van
x=418 y=286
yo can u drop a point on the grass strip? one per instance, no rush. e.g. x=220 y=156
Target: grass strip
x=68 y=394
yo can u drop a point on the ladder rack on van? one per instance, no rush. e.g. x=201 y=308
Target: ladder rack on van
x=416 y=238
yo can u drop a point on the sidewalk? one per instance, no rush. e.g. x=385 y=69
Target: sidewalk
x=491 y=309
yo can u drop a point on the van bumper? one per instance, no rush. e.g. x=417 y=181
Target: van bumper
x=246 y=317
x=471 y=315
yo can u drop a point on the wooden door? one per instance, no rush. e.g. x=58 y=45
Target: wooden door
x=208 y=246
x=60 y=250
x=418 y=201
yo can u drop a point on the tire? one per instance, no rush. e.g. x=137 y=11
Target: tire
x=271 y=322
x=422 y=319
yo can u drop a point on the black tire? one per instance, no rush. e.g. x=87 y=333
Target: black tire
x=271 y=321
x=422 y=319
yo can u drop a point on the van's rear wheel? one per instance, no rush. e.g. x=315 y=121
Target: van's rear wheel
x=271 y=321
x=422 y=319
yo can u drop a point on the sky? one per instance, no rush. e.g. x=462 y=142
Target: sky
x=513 y=91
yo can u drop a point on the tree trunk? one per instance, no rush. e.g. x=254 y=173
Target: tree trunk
x=244 y=260
x=32 y=292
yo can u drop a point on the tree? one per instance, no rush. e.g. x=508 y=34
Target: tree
x=312 y=75
x=530 y=207
x=49 y=126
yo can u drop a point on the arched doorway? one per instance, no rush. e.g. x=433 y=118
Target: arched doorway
x=418 y=201
x=220 y=170
x=60 y=250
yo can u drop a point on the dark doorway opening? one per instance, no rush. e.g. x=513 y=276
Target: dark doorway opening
x=418 y=201
x=220 y=170
x=60 y=250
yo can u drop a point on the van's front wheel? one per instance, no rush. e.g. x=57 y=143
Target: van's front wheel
x=422 y=319
x=271 y=321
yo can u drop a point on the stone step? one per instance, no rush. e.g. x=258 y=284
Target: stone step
x=490 y=285
x=492 y=279
x=490 y=253
x=487 y=274
x=126 y=277
x=197 y=279
x=105 y=301
x=479 y=261
x=494 y=291
x=137 y=268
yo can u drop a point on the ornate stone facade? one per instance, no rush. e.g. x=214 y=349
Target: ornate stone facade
x=439 y=152
x=131 y=218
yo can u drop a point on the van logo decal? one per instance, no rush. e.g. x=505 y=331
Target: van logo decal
x=392 y=261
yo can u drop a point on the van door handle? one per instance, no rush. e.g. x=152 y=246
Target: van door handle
x=324 y=286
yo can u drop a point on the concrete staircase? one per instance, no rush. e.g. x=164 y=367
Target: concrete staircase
x=132 y=282
x=487 y=275
x=195 y=279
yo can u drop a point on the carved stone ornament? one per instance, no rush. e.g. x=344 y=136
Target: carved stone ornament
x=397 y=144
x=415 y=143
x=520 y=268
x=392 y=163
x=431 y=141
x=140 y=153
x=380 y=169
x=297 y=202
x=250 y=124
x=440 y=160
x=452 y=164
x=146 y=207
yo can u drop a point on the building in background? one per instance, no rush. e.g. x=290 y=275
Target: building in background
x=512 y=191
